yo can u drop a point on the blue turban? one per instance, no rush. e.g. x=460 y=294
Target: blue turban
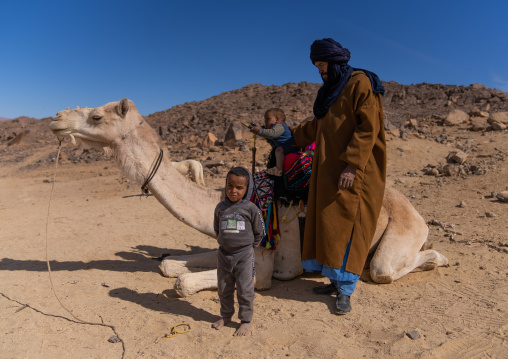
x=330 y=51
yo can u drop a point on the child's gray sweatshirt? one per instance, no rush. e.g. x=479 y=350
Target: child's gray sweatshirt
x=238 y=225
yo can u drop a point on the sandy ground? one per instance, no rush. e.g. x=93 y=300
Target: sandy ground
x=101 y=237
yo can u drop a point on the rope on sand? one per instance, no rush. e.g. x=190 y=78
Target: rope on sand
x=81 y=321
x=175 y=331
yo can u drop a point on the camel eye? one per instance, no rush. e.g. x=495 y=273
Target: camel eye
x=97 y=118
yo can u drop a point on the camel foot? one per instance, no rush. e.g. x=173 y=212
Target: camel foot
x=243 y=329
x=221 y=322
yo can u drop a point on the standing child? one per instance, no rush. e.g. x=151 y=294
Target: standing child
x=239 y=227
x=278 y=134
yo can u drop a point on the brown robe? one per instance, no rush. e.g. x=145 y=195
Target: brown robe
x=351 y=132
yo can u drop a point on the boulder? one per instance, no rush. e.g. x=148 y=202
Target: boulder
x=456 y=117
x=233 y=134
x=479 y=124
x=500 y=117
x=497 y=126
x=209 y=140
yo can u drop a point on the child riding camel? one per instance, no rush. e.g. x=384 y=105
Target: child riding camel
x=278 y=135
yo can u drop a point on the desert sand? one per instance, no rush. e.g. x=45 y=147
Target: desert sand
x=103 y=238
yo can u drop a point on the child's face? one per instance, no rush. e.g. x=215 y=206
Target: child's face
x=270 y=119
x=236 y=187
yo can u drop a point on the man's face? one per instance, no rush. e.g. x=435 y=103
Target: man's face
x=323 y=69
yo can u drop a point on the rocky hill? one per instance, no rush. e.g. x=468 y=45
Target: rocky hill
x=186 y=125
x=401 y=103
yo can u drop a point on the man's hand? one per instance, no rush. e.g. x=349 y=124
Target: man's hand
x=347 y=177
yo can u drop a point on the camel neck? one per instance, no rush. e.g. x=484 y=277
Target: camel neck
x=188 y=202
x=192 y=204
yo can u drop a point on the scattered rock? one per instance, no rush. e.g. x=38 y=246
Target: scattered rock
x=114 y=339
x=430 y=171
x=413 y=335
x=404 y=135
x=502 y=196
x=389 y=126
x=451 y=169
x=490 y=214
x=395 y=132
x=457 y=156
x=462 y=204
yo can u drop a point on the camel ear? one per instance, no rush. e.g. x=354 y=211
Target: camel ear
x=123 y=107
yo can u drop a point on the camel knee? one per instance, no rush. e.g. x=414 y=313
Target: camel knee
x=172 y=268
x=185 y=286
x=381 y=276
x=431 y=259
x=190 y=283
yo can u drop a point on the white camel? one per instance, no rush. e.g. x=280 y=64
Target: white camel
x=191 y=167
x=119 y=129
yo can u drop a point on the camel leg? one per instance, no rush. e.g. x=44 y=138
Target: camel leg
x=190 y=283
x=199 y=176
x=393 y=261
x=174 y=266
x=398 y=252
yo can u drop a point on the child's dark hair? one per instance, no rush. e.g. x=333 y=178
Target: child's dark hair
x=240 y=172
x=278 y=113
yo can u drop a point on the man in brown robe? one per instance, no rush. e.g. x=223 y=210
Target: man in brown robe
x=348 y=171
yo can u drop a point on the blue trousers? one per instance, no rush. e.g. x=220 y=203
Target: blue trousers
x=344 y=281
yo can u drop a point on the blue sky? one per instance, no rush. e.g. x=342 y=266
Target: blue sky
x=55 y=54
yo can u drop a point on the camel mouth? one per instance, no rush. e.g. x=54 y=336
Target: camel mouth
x=60 y=132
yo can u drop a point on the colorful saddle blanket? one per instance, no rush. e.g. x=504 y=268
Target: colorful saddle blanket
x=262 y=197
x=297 y=172
x=298 y=168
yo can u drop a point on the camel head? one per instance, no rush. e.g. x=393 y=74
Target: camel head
x=101 y=127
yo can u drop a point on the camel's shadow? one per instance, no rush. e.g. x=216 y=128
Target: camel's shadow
x=142 y=258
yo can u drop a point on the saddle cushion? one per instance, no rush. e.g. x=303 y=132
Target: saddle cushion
x=298 y=168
